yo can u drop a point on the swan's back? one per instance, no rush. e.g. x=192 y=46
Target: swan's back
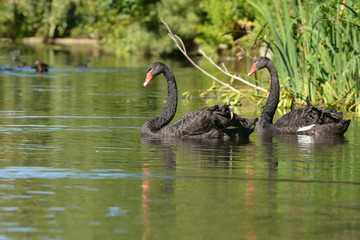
x=314 y=121
x=214 y=122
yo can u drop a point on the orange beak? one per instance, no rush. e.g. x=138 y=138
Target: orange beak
x=148 y=78
x=253 y=69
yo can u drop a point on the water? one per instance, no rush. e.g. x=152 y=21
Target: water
x=73 y=166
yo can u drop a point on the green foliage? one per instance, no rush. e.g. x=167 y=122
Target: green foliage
x=35 y=17
x=117 y=24
x=129 y=26
x=224 y=22
x=316 y=46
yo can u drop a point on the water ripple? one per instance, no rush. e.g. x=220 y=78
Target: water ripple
x=77 y=117
x=55 y=173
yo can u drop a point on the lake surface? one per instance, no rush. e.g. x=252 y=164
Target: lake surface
x=73 y=165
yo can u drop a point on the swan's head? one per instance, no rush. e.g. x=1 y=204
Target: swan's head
x=153 y=70
x=258 y=64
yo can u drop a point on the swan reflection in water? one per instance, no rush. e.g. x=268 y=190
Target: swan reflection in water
x=304 y=141
x=210 y=153
x=297 y=148
x=261 y=161
x=207 y=153
x=164 y=154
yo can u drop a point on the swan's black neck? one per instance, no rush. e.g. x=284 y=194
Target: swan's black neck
x=169 y=111
x=267 y=115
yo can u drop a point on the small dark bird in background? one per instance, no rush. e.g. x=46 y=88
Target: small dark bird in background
x=40 y=66
x=83 y=65
x=21 y=65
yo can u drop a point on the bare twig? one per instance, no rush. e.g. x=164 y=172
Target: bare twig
x=226 y=72
x=182 y=49
x=225 y=69
x=342 y=8
x=342 y=19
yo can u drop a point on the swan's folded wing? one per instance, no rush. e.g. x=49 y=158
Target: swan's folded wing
x=309 y=115
x=212 y=122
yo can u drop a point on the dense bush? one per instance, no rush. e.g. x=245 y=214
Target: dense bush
x=130 y=26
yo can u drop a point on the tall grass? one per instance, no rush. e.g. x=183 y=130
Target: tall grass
x=316 y=49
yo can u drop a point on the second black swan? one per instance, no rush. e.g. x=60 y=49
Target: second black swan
x=208 y=122
x=304 y=121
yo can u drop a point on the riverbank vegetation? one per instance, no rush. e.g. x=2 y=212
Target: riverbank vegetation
x=314 y=44
x=129 y=26
x=316 y=47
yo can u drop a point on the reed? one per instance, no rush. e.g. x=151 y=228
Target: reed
x=316 y=49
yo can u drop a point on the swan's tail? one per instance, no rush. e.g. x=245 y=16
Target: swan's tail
x=225 y=117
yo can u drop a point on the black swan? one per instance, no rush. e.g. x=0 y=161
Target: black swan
x=304 y=121
x=216 y=122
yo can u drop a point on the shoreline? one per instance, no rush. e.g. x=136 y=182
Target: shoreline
x=53 y=41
